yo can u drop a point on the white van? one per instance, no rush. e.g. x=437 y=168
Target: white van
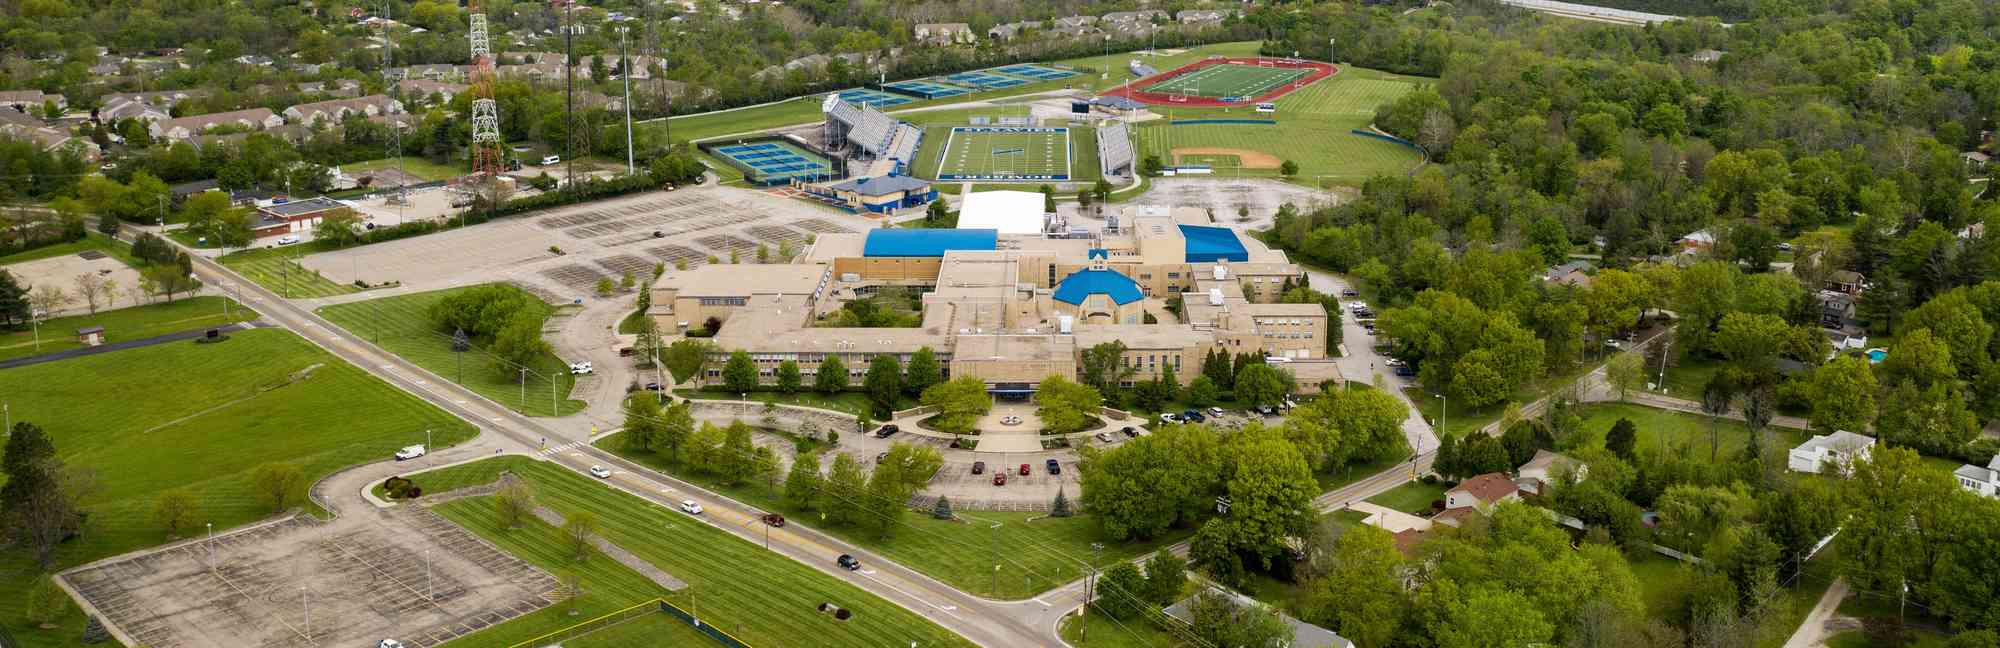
x=288 y=239
x=552 y=160
x=408 y=453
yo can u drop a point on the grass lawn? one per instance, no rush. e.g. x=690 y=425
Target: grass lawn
x=202 y=417
x=851 y=402
x=1662 y=582
x=92 y=241
x=1662 y=429
x=1094 y=630
x=1314 y=129
x=132 y=323
x=278 y=270
x=652 y=629
x=423 y=169
x=762 y=598
x=1038 y=554
x=630 y=325
x=1356 y=472
x=1410 y=497
x=400 y=325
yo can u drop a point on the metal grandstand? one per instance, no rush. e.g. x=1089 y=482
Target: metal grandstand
x=1114 y=148
x=874 y=134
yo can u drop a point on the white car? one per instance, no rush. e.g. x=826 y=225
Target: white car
x=410 y=452
x=1170 y=417
x=388 y=643
x=553 y=159
x=288 y=239
x=1215 y=410
x=581 y=368
x=600 y=472
x=690 y=507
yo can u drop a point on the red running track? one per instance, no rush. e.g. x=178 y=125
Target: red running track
x=1132 y=90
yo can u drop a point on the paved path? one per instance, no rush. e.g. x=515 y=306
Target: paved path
x=1389 y=519
x=128 y=344
x=1812 y=632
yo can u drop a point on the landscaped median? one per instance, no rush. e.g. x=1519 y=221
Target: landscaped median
x=402 y=325
x=762 y=598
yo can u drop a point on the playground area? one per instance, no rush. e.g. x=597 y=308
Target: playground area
x=1006 y=153
x=1224 y=81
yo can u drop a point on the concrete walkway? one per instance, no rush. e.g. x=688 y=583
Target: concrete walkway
x=1389 y=519
x=618 y=553
x=1812 y=631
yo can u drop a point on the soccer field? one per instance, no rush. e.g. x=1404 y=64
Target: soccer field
x=1228 y=80
x=1003 y=154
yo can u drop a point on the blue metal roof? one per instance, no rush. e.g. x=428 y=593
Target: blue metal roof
x=883 y=185
x=1097 y=253
x=927 y=242
x=1207 y=244
x=1082 y=284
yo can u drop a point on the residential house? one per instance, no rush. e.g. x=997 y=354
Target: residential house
x=532 y=58
x=536 y=72
x=1075 y=21
x=344 y=88
x=52 y=139
x=1847 y=281
x=945 y=33
x=162 y=98
x=1575 y=273
x=108 y=67
x=1982 y=481
x=1008 y=31
x=1976 y=161
x=293 y=133
x=1200 y=16
x=1545 y=468
x=1835 y=453
x=1143 y=15
x=423 y=89
x=13 y=117
x=1304 y=635
x=258 y=60
x=333 y=111
x=1837 y=311
x=186 y=127
x=1697 y=240
x=1477 y=495
x=1707 y=56
x=30 y=99
x=122 y=108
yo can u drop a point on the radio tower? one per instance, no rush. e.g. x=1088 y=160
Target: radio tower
x=399 y=198
x=486 y=157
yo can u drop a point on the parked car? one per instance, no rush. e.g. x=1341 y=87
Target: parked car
x=887 y=431
x=581 y=367
x=411 y=452
x=652 y=386
x=1102 y=437
x=1193 y=416
x=1405 y=371
x=999 y=479
x=690 y=507
x=1215 y=410
x=1130 y=432
x=1170 y=417
x=1025 y=471
x=847 y=562
x=1267 y=410
x=388 y=643
x=552 y=159
x=287 y=239
x=1349 y=292
x=627 y=352
x=1054 y=468
x=774 y=519
x=978 y=467
x=600 y=472
x=879 y=456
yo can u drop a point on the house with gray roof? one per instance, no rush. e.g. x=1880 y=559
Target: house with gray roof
x=185 y=127
x=1983 y=481
x=1304 y=635
x=1833 y=454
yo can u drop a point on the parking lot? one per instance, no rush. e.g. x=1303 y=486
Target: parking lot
x=565 y=251
x=61 y=272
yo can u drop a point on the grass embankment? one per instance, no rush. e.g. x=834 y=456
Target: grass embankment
x=137 y=322
x=1034 y=552
x=401 y=325
x=760 y=597
x=200 y=417
x=277 y=269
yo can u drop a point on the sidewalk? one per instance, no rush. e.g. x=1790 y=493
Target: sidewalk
x=1812 y=631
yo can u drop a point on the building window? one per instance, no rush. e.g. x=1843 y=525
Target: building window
x=1173 y=275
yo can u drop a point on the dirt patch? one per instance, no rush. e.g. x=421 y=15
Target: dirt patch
x=1248 y=158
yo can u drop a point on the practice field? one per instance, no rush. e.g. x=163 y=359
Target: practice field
x=1314 y=128
x=1006 y=154
x=1229 y=80
x=401 y=325
x=200 y=417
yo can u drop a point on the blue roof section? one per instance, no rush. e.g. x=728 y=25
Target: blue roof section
x=1097 y=253
x=927 y=242
x=1080 y=285
x=883 y=185
x=1207 y=244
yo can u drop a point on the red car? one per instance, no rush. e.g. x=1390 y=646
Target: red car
x=999 y=479
x=774 y=519
x=1025 y=469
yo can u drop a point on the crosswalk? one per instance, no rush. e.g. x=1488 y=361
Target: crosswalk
x=559 y=449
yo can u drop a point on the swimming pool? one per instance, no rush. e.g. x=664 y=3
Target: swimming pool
x=1877 y=355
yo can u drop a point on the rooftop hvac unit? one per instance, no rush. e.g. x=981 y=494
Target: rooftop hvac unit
x=1221 y=272
x=1215 y=296
x=850 y=277
x=1066 y=324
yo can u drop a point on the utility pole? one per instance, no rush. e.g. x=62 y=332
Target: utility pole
x=524 y=391
x=625 y=73
x=569 y=97
x=1666 y=347
x=307 y=604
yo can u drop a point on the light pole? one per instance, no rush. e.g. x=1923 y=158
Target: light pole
x=625 y=62
x=307 y=604
x=1444 y=412
x=524 y=390
x=1666 y=348
x=430 y=586
x=210 y=542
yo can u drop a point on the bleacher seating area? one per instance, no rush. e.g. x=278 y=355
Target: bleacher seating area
x=868 y=129
x=1114 y=148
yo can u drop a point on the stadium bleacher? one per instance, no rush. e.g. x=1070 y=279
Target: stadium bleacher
x=1114 y=148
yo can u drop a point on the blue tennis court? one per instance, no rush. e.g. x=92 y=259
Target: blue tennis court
x=985 y=81
x=925 y=89
x=1036 y=72
x=774 y=162
x=874 y=98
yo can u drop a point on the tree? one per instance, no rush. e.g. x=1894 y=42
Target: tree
x=922 y=372
x=1493 y=618
x=642 y=423
x=1166 y=577
x=676 y=431
x=1221 y=622
x=1716 y=396
x=340 y=228
x=788 y=377
x=1621 y=438
x=1843 y=395
x=1201 y=392
x=938 y=214
x=47 y=604
x=1363 y=595
x=884 y=382
x=1345 y=426
x=831 y=377
x=844 y=491
x=685 y=357
x=739 y=374
x=1935 y=421
x=941 y=510
x=1059 y=508
x=1627 y=373
x=1103 y=366
x=518 y=344
x=94 y=289
x=1213 y=549
x=1119 y=592
x=579 y=532
x=736 y=458
x=175 y=511
x=802 y=484
x=277 y=484
x=1288 y=168
x=515 y=502
x=1144 y=486
x=1066 y=406
x=14 y=307
x=47 y=300
x=1262 y=384
x=959 y=403
x=1270 y=494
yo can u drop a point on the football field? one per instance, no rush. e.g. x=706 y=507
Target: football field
x=1003 y=154
x=1228 y=80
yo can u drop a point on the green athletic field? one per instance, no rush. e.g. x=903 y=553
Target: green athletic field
x=400 y=324
x=1228 y=80
x=200 y=417
x=997 y=153
x=1314 y=129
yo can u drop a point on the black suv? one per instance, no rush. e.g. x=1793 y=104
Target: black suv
x=1194 y=416
x=1054 y=468
x=848 y=562
x=887 y=431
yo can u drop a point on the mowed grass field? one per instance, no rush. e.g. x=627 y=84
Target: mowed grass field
x=1314 y=130
x=653 y=629
x=760 y=597
x=1228 y=80
x=974 y=152
x=132 y=323
x=401 y=325
x=1083 y=164
x=423 y=169
x=200 y=417
x=90 y=241
x=277 y=269
x=1035 y=552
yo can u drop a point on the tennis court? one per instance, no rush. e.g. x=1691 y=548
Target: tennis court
x=1006 y=154
x=925 y=88
x=774 y=162
x=1228 y=80
x=985 y=81
x=1035 y=72
x=874 y=98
